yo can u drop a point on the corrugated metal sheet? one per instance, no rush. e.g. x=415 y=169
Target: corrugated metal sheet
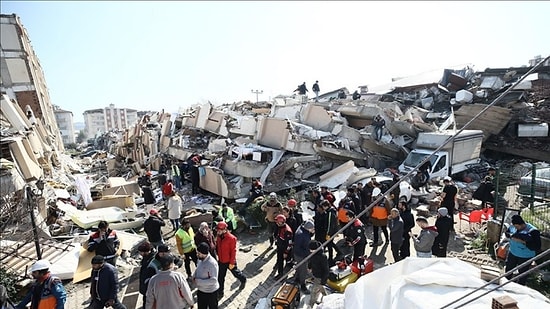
x=17 y=256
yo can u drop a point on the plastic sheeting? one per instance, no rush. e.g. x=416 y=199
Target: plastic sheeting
x=83 y=188
x=431 y=283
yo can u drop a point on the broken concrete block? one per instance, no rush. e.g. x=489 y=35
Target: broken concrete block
x=464 y=96
x=533 y=130
x=492 y=82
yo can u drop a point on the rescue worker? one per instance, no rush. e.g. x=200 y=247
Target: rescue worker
x=283 y=237
x=272 y=207
x=185 y=242
x=355 y=236
x=47 y=291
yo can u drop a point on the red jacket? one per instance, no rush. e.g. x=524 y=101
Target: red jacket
x=167 y=188
x=226 y=247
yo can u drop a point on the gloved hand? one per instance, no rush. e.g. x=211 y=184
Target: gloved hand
x=231 y=266
x=327 y=237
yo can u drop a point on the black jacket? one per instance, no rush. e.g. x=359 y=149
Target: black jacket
x=152 y=227
x=443 y=225
x=143 y=271
x=104 y=283
x=318 y=264
x=408 y=221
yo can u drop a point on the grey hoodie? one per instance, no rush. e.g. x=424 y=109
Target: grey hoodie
x=425 y=240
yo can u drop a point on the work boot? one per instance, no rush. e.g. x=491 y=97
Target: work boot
x=243 y=284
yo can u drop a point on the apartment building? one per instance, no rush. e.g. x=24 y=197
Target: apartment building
x=101 y=120
x=22 y=77
x=66 y=125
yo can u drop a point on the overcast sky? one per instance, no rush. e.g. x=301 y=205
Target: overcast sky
x=155 y=55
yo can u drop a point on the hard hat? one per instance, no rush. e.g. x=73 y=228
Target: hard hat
x=280 y=218
x=376 y=191
x=272 y=195
x=291 y=202
x=222 y=225
x=40 y=265
x=447 y=178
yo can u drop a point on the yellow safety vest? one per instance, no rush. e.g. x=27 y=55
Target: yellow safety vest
x=187 y=239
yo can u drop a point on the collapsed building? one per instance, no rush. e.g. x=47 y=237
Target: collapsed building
x=290 y=142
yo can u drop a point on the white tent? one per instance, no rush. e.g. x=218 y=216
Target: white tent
x=432 y=283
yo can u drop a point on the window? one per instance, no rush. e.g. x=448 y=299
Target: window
x=440 y=164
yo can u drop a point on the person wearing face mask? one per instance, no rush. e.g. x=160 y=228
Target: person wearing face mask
x=206 y=235
x=206 y=278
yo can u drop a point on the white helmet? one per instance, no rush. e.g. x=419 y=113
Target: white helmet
x=272 y=195
x=40 y=265
x=376 y=191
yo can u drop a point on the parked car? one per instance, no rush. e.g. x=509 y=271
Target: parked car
x=542 y=184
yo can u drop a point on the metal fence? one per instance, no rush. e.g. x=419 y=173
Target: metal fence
x=532 y=199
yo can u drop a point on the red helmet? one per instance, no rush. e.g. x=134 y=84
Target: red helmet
x=222 y=225
x=280 y=218
x=291 y=203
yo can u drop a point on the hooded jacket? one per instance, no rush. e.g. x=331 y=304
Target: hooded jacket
x=425 y=240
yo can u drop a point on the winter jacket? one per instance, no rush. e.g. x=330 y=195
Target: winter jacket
x=379 y=214
x=425 y=240
x=292 y=223
x=301 y=242
x=206 y=275
x=209 y=239
x=174 y=207
x=318 y=264
x=345 y=204
x=229 y=217
x=167 y=188
x=143 y=271
x=355 y=234
x=271 y=210
x=104 y=283
x=148 y=196
x=396 y=230
x=408 y=221
x=53 y=294
x=106 y=245
x=443 y=225
x=283 y=238
x=321 y=226
x=530 y=235
x=168 y=289
x=226 y=247
x=152 y=227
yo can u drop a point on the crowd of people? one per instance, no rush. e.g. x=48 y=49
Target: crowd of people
x=212 y=249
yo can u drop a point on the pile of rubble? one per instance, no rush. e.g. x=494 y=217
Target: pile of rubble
x=290 y=142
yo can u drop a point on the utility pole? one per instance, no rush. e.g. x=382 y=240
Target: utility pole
x=30 y=198
x=257 y=92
